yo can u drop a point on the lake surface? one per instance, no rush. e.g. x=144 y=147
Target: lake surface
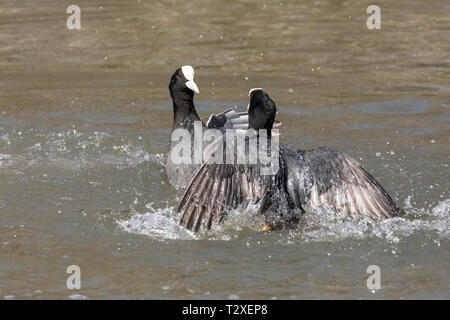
x=85 y=118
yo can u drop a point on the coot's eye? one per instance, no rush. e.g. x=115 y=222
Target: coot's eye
x=179 y=75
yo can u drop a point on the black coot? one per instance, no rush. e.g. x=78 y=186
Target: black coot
x=182 y=87
x=312 y=178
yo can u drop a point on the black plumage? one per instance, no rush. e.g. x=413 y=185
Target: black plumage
x=182 y=88
x=311 y=178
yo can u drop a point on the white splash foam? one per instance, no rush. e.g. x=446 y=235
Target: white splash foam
x=318 y=226
x=160 y=224
x=73 y=149
x=323 y=226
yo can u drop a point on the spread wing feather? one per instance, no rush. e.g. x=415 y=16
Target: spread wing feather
x=212 y=190
x=338 y=181
x=216 y=188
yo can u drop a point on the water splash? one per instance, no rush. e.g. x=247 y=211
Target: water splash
x=322 y=225
x=73 y=149
x=159 y=224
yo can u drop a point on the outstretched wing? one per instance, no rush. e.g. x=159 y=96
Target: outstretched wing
x=215 y=189
x=207 y=197
x=218 y=187
x=336 y=180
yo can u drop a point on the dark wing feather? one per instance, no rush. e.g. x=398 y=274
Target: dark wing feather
x=338 y=181
x=218 y=187
x=208 y=193
x=213 y=189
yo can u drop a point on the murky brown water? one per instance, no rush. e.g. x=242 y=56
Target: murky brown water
x=84 y=128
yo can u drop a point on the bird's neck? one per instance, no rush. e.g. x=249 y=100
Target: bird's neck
x=184 y=111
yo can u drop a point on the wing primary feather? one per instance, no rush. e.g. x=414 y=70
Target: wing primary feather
x=188 y=193
x=216 y=194
x=204 y=194
x=220 y=207
x=190 y=200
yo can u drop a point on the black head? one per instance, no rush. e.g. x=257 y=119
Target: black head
x=182 y=85
x=261 y=110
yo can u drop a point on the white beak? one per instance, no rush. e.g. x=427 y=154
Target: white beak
x=191 y=85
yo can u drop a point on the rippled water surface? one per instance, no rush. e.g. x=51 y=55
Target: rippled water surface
x=85 y=119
